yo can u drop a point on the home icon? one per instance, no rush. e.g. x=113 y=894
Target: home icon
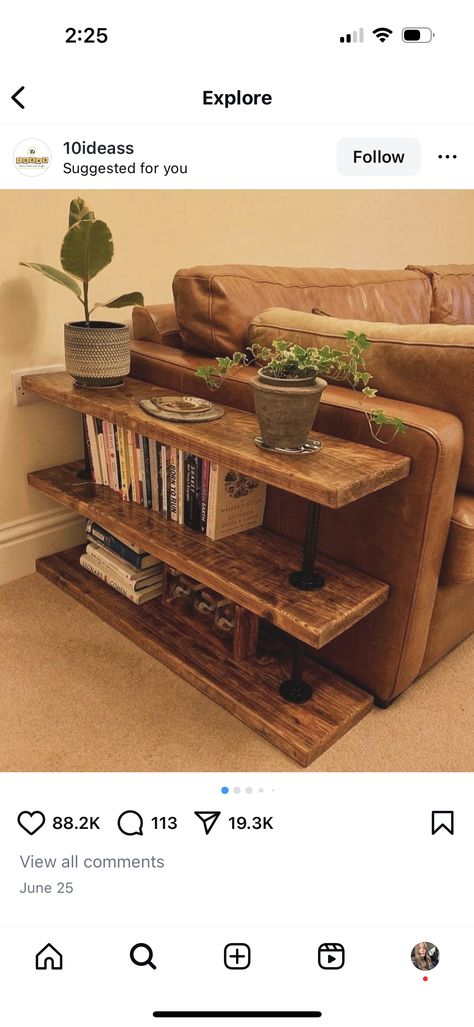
x=49 y=958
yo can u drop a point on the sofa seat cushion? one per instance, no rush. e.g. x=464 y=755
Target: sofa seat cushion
x=458 y=562
x=430 y=364
x=453 y=292
x=214 y=305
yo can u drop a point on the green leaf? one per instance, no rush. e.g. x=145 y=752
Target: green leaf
x=87 y=248
x=128 y=299
x=56 y=276
x=79 y=211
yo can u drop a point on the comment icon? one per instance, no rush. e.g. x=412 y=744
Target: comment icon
x=130 y=823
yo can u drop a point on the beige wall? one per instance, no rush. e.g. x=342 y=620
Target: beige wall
x=155 y=233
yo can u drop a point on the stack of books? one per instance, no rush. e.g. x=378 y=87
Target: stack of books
x=137 y=575
x=178 y=485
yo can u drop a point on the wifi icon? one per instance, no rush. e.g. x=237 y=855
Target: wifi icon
x=382 y=34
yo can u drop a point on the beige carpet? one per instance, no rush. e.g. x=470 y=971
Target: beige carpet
x=77 y=696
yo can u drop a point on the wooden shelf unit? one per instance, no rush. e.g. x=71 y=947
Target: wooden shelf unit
x=251 y=568
x=248 y=568
x=248 y=688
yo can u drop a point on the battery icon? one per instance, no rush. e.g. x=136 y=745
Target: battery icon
x=417 y=35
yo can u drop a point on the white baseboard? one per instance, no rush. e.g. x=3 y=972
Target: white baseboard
x=24 y=540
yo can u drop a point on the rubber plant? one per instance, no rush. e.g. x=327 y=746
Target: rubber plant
x=97 y=352
x=87 y=248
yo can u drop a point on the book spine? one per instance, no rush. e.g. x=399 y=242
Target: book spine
x=159 y=472
x=155 y=503
x=105 y=453
x=110 y=454
x=117 y=457
x=132 y=579
x=196 y=491
x=94 y=449
x=164 y=462
x=93 y=525
x=188 y=485
x=91 y=566
x=142 y=462
x=180 y=486
x=129 y=435
x=99 y=426
x=87 y=443
x=96 y=534
x=146 y=453
x=173 y=476
x=122 y=567
x=212 y=501
x=204 y=492
x=137 y=463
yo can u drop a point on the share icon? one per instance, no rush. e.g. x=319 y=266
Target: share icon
x=207 y=819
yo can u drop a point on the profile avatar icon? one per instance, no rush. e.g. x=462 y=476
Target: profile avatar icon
x=425 y=956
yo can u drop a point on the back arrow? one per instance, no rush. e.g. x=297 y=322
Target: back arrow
x=14 y=98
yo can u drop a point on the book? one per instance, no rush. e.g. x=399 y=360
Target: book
x=132 y=459
x=146 y=458
x=180 y=486
x=236 y=502
x=101 y=447
x=87 y=444
x=117 y=456
x=136 y=579
x=132 y=554
x=192 y=492
x=142 y=466
x=138 y=457
x=205 y=470
x=124 y=464
x=155 y=500
x=93 y=565
x=173 y=486
x=164 y=462
x=94 y=448
x=159 y=472
x=112 y=458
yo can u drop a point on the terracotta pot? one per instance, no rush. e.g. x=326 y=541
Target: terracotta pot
x=97 y=354
x=286 y=408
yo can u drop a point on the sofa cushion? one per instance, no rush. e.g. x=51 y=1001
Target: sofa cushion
x=214 y=305
x=458 y=561
x=453 y=292
x=432 y=365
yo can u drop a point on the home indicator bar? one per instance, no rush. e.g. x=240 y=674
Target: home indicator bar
x=247 y=1013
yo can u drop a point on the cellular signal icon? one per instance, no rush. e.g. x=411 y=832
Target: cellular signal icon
x=357 y=36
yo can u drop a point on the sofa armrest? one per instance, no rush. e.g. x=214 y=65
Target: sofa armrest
x=157 y=324
x=397 y=535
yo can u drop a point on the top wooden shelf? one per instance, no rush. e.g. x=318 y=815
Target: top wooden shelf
x=338 y=474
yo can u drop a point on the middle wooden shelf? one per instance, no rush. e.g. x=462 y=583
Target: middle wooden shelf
x=249 y=568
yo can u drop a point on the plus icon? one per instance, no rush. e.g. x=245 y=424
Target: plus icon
x=237 y=955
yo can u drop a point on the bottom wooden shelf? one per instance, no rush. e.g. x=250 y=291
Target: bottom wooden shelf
x=248 y=689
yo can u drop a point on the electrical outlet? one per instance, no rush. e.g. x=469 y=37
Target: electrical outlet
x=20 y=396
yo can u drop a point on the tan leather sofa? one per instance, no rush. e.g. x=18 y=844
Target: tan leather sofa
x=417 y=535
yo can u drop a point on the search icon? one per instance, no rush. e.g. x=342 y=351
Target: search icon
x=145 y=955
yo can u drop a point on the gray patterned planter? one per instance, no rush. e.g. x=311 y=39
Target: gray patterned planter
x=97 y=354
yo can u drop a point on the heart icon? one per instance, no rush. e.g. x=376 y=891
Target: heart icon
x=31 y=822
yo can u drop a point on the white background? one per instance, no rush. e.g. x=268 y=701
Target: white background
x=351 y=859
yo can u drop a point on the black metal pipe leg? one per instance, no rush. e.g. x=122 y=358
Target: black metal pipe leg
x=307 y=578
x=295 y=690
x=86 y=472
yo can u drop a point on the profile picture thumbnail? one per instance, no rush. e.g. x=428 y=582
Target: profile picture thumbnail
x=425 y=955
